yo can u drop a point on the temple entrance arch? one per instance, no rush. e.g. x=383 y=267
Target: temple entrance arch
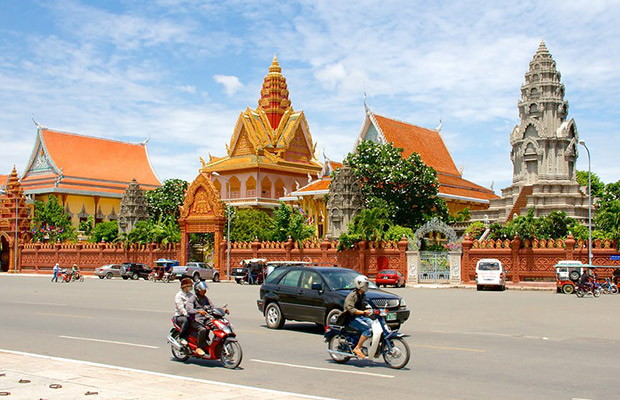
x=202 y=212
x=5 y=252
x=433 y=265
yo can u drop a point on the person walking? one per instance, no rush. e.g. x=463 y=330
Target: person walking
x=56 y=272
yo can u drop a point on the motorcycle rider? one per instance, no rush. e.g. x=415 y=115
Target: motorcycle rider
x=585 y=281
x=198 y=306
x=181 y=315
x=356 y=314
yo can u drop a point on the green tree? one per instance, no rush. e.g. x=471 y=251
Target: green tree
x=608 y=218
x=154 y=232
x=163 y=203
x=407 y=188
x=50 y=221
x=251 y=223
x=105 y=232
x=554 y=225
x=611 y=192
x=289 y=222
x=372 y=224
x=87 y=226
x=597 y=185
x=475 y=229
x=463 y=215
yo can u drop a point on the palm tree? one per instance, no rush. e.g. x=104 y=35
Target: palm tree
x=372 y=224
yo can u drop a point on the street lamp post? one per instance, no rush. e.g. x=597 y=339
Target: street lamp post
x=228 y=228
x=581 y=142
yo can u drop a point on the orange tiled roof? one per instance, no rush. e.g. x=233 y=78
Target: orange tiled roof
x=322 y=184
x=457 y=186
x=91 y=164
x=411 y=138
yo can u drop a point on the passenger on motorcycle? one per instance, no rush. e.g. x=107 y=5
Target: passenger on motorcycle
x=586 y=281
x=181 y=315
x=356 y=314
x=75 y=271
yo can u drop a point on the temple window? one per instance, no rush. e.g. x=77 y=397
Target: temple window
x=218 y=186
x=279 y=186
x=533 y=108
x=534 y=93
x=235 y=187
x=265 y=188
x=250 y=187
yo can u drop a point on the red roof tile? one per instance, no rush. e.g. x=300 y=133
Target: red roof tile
x=323 y=184
x=411 y=138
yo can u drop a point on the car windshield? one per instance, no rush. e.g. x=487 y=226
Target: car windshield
x=488 y=266
x=339 y=278
x=387 y=271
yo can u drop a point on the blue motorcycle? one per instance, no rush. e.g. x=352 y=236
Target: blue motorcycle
x=341 y=340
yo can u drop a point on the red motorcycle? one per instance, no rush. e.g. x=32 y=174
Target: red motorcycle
x=223 y=346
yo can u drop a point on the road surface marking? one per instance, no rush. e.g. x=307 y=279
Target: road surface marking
x=508 y=335
x=146 y=310
x=323 y=369
x=38 y=304
x=448 y=348
x=64 y=315
x=109 y=341
x=170 y=376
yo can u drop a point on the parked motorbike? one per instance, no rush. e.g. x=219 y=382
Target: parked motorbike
x=341 y=340
x=158 y=276
x=581 y=291
x=223 y=346
x=608 y=287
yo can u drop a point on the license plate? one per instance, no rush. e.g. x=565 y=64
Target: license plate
x=179 y=274
x=391 y=317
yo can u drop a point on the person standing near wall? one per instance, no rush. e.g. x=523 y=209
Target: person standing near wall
x=56 y=271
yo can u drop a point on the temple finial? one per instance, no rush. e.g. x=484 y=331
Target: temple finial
x=275 y=67
x=542 y=47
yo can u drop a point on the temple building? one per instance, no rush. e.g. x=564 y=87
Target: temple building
x=271 y=152
x=544 y=151
x=88 y=175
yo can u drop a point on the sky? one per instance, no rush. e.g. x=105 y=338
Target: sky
x=181 y=71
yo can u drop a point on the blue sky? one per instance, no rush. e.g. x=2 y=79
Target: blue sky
x=182 y=71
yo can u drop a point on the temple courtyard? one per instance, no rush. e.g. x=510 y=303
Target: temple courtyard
x=465 y=344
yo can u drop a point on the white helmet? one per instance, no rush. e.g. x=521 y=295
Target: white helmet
x=202 y=286
x=361 y=283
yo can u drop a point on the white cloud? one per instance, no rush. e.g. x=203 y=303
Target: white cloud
x=188 y=89
x=231 y=83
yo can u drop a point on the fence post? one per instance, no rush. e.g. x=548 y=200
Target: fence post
x=515 y=245
x=288 y=246
x=465 y=262
x=256 y=245
x=570 y=247
x=325 y=245
x=361 y=268
x=402 y=248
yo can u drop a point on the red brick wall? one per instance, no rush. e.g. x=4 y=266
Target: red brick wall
x=367 y=258
x=534 y=259
x=41 y=258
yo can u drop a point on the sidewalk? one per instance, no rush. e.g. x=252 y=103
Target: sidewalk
x=52 y=378
x=549 y=286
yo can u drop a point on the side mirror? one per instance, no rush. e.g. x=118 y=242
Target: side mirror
x=317 y=286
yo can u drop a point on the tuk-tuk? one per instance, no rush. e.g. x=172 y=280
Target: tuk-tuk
x=163 y=270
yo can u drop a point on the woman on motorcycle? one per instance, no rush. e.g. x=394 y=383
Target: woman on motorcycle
x=356 y=313
x=181 y=315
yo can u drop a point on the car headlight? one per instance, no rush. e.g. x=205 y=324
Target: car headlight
x=402 y=303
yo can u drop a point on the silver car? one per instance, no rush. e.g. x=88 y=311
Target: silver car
x=198 y=271
x=108 y=271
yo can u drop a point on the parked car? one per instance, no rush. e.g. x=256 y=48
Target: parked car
x=490 y=272
x=390 y=277
x=197 y=271
x=108 y=271
x=317 y=294
x=135 y=271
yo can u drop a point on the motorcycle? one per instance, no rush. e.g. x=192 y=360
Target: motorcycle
x=581 y=291
x=223 y=346
x=160 y=276
x=341 y=340
x=608 y=287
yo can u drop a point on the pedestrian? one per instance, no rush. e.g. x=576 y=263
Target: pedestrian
x=56 y=271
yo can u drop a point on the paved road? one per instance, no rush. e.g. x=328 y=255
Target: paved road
x=465 y=344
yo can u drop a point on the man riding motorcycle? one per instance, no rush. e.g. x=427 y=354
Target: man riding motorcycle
x=355 y=313
x=199 y=307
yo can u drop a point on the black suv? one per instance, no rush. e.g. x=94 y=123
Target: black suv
x=135 y=271
x=316 y=294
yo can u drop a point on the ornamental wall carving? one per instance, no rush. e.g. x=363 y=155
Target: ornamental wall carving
x=344 y=201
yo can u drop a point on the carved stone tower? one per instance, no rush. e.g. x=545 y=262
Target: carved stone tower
x=344 y=201
x=544 y=150
x=133 y=208
x=14 y=223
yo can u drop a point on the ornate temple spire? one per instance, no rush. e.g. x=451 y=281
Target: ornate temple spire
x=274 y=94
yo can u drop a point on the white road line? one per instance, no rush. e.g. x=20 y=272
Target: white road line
x=108 y=341
x=38 y=304
x=146 y=310
x=447 y=348
x=509 y=335
x=182 y=378
x=322 y=369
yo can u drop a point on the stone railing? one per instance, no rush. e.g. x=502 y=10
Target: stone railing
x=367 y=257
x=534 y=259
x=41 y=257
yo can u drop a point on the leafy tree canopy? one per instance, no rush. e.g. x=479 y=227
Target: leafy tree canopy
x=51 y=222
x=154 y=232
x=163 y=203
x=597 y=185
x=251 y=223
x=105 y=232
x=406 y=188
x=289 y=222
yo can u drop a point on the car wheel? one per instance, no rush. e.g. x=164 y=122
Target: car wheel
x=135 y=276
x=125 y=277
x=108 y=275
x=273 y=316
x=196 y=277
x=332 y=316
x=568 y=289
x=216 y=278
x=101 y=276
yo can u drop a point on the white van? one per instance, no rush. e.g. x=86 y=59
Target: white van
x=490 y=272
